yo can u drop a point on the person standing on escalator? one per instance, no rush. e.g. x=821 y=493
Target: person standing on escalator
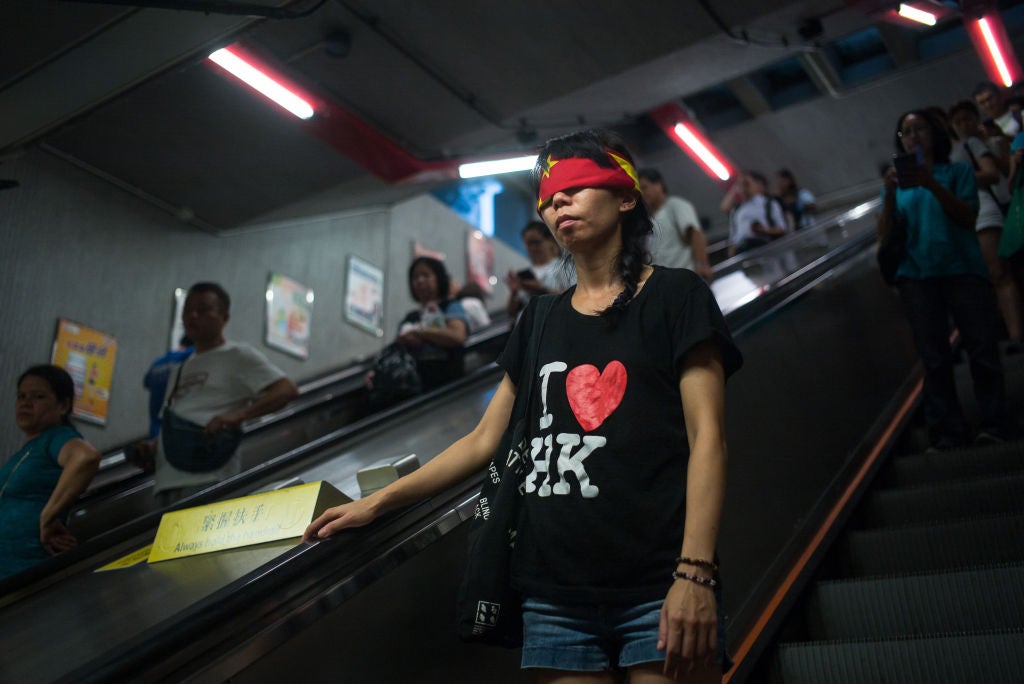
x=41 y=481
x=942 y=275
x=211 y=393
x=614 y=555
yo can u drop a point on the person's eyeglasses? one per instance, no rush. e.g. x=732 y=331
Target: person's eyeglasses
x=917 y=130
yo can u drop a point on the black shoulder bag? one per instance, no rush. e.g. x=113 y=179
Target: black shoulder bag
x=186 y=445
x=489 y=610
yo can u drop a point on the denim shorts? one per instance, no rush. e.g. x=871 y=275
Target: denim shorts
x=597 y=637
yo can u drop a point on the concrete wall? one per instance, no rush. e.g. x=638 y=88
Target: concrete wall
x=77 y=247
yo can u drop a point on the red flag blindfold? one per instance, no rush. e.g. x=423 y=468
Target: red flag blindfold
x=576 y=172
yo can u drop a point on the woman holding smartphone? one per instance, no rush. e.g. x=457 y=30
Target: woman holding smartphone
x=943 y=274
x=615 y=551
x=547 y=274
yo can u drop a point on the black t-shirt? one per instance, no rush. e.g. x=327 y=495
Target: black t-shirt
x=604 y=506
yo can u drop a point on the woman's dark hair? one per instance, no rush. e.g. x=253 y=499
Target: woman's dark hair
x=636 y=223
x=59 y=381
x=444 y=281
x=941 y=144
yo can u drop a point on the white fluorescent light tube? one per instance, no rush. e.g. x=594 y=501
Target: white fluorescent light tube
x=993 y=49
x=914 y=14
x=493 y=168
x=262 y=83
x=699 y=149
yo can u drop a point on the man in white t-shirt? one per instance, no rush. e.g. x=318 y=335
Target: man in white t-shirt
x=992 y=105
x=678 y=241
x=219 y=387
x=755 y=219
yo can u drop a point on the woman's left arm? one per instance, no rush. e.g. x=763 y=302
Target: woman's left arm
x=453 y=334
x=688 y=632
x=80 y=461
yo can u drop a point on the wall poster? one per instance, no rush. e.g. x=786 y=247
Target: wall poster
x=480 y=261
x=364 y=296
x=289 y=312
x=88 y=356
x=177 y=327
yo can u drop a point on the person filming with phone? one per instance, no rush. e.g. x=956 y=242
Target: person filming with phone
x=547 y=274
x=942 y=274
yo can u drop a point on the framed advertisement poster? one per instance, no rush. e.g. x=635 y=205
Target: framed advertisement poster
x=289 y=313
x=177 y=327
x=364 y=296
x=88 y=356
x=480 y=261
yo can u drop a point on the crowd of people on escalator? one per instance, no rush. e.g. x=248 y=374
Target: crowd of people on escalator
x=951 y=233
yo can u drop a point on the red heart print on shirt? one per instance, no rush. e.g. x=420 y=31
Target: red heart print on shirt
x=594 y=395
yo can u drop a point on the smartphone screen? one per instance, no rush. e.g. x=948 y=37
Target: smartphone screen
x=526 y=274
x=906 y=167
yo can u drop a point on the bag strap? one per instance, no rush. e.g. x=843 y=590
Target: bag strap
x=522 y=403
x=174 y=390
x=977 y=167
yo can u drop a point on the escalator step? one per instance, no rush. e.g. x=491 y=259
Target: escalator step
x=925 y=547
x=943 y=501
x=983 y=599
x=951 y=465
x=949 y=659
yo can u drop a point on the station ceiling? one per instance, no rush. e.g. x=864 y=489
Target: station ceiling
x=125 y=91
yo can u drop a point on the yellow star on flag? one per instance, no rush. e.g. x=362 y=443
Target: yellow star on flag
x=627 y=167
x=551 y=162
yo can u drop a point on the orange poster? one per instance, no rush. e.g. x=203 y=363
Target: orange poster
x=88 y=357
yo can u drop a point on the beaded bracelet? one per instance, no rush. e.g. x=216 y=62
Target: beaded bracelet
x=709 y=582
x=707 y=565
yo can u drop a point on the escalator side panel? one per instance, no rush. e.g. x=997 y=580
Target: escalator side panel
x=815 y=378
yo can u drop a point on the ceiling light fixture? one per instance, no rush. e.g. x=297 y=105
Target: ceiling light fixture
x=256 y=78
x=992 y=44
x=914 y=14
x=676 y=123
x=995 y=53
x=700 y=150
x=497 y=166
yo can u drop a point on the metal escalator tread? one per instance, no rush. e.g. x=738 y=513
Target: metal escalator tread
x=949 y=659
x=986 y=540
x=951 y=465
x=943 y=501
x=971 y=600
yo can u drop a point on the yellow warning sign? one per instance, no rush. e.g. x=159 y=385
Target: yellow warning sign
x=133 y=558
x=253 y=519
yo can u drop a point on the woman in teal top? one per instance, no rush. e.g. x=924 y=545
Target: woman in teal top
x=942 y=276
x=43 y=478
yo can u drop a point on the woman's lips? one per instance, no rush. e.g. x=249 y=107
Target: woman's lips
x=563 y=221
